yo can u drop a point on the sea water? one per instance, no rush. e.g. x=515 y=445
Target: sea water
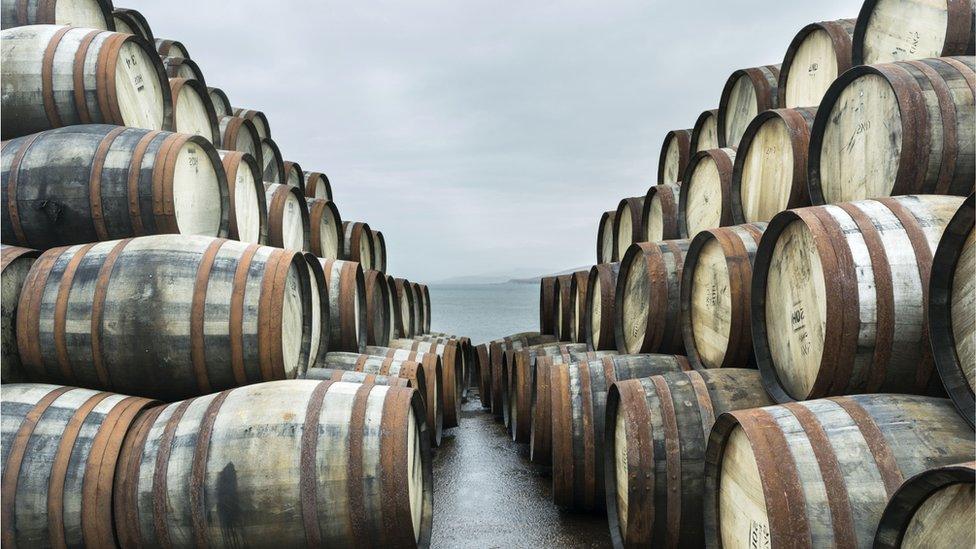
x=484 y=312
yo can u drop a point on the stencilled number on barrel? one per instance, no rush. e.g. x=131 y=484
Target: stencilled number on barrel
x=132 y=62
x=813 y=69
x=798 y=323
x=711 y=296
x=193 y=161
x=911 y=45
x=858 y=131
x=759 y=535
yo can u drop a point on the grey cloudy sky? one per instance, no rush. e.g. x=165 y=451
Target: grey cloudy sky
x=481 y=137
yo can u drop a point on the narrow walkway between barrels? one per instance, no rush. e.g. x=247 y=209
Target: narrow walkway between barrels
x=487 y=494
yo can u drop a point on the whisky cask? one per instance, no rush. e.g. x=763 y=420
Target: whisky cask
x=578 y=397
x=410 y=371
x=520 y=384
x=705 y=201
x=321 y=310
x=604 y=238
x=578 y=284
x=50 y=80
x=425 y=291
x=179 y=67
x=379 y=313
x=896 y=129
x=840 y=295
x=483 y=366
x=317 y=185
x=705 y=134
x=220 y=102
x=563 y=317
x=903 y=30
x=747 y=93
x=274 y=164
x=952 y=315
x=648 y=298
x=325 y=228
x=599 y=320
x=450 y=355
x=627 y=224
x=294 y=175
x=675 y=153
x=90 y=14
x=716 y=285
x=660 y=217
x=347 y=305
x=358 y=244
x=818 y=54
x=60 y=449
x=15 y=263
x=932 y=509
x=133 y=22
x=220 y=314
x=770 y=170
x=248 y=219
x=170 y=48
x=358 y=377
x=193 y=112
x=819 y=473
x=354 y=469
x=403 y=307
x=418 y=311
x=396 y=360
x=394 y=307
x=656 y=435
x=379 y=250
x=96 y=182
x=238 y=134
x=496 y=352
x=259 y=119
x=547 y=304
x=288 y=221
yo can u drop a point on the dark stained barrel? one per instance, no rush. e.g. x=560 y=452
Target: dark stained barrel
x=358 y=243
x=932 y=509
x=90 y=14
x=97 y=182
x=274 y=164
x=403 y=307
x=660 y=216
x=248 y=209
x=903 y=30
x=325 y=228
x=428 y=312
x=347 y=305
x=193 y=111
x=705 y=134
x=562 y=319
x=220 y=102
x=379 y=313
x=379 y=252
x=627 y=224
x=15 y=263
x=521 y=374
x=238 y=134
x=818 y=54
x=418 y=311
x=179 y=67
x=294 y=175
x=600 y=320
x=259 y=119
x=747 y=93
x=578 y=285
x=422 y=294
x=705 y=201
x=648 y=298
x=547 y=304
x=675 y=153
x=170 y=48
x=288 y=220
x=604 y=238
x=317 y=185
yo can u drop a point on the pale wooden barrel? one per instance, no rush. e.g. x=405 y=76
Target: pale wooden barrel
x=660 y=216
x=294 y=175
x=654 y=498
x=238 y=134
x=578 y=394
x=220 y=102
x=648 y=298
x=675 y=153
x=410 y=372
x=248 y=208
x=818 y=473
x=90 y=14
x=932 y=510
x=221 y=314
x=840 y=296
x=521 y=382
x=496 y=352
x=451 y=389
x=274 y=164
x=193 y=111
x=628 y=224
x=706 y=193
x=770 y=171
x=354 y=469
x=418 y=311
x=325 y=231
x=50 y=80
x=952 y=315
x=563 y=319
x=347 y=305
x=15 y=263
x=60 y=448
x=705 y=134
x=179 y=67
x=600 y=320
x=133 y=22
x=547 y=304
x=747 y=93
x=903 y=30
x=403 y=309
x=358 y=244
x=427 y=315
x=170 y=48
x=464 y=355
x=97 y=182
x=818 y=54
x=321 y=311
x=358 y=377
x=896 y=129
x=288 y=220
x=577 y=305
x=379 y=312
x=715 y=297
x=259 y=119
x=379 y=249
x=317 y=185
x=604 y=238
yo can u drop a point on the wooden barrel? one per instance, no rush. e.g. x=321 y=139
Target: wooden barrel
x=654 y=498
x=818 y=54
x=359 y=377
x=563 y=318
x=675 y=153
x=547 y=304
x=484 y=375
x=274 y=164
x=40 y=94
x=347 y=305
x=705 y=201
x=648 y=307
x=496 y=352
x=705 y=134
x=220 y=102
x=464 y=355
x=133 y=22
x=321 y=310
x=403 y=307
x=932 y=509
x=379 y=250
x=294 y=175
x=840 y=295
x=450 y=355
x=179 y=67
x=601 y=287
x=578 y=394
x=952 y=316
x=325 y=234
x=84 y=317
x=419 y=310
x=379 y=313
x=604 y=239
x=578 y=284
x=380 y=359
x=660 y=216
x=15 y=263
x=96 y=182
x=818 y=473
x=90 y=14
x=521 y=382
x=410 y=371
x=238 y=134
x=60 y=448
x=627 y=225
x=259 y=119
x=394 y=304
x=248 y=220
x=427 y=318
x=715 y=296
x=170 y=48
x=770 y=171
x=288 y=220
x=193 y=111
x=317 y=185
x=358 y=469
x=903 y=30
x=895 y=129
x=747 y=93
x=358 y=243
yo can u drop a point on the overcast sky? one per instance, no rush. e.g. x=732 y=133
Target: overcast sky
x=482 y=137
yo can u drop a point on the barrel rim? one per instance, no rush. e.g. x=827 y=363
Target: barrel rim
x=560 y=322
x=173 y=61
x=246 y=158
x=839 y=36
x=218 y=165
x=275 y=215
x=637 y=250
x=646 y=210
x=244 y=112
x=278 y=159
x=140 y=21
x=699 y=126
x=635 y=204
x=963 y=15
x=232 y=126
x=291 y=165
x=169 y=113
x=716 y=155
x=321 y=178
x=544 y=283
x=316 y=207
x=374 y=277
x=177 y=84
x=379 y=242
x=324 y=306
x=608 y=295
x=684 y=150
x=168 y=44
x=606 y=219
x=212 y=90
x=770 y=95
x=576 y=324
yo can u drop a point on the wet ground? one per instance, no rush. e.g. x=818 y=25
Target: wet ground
x=488 y=495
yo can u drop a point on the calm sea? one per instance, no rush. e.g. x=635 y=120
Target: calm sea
x=484 y=312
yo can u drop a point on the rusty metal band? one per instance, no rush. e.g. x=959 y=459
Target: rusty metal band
x=280 y=287
x=114 y=46
x=672 y=459
x=386 y=365
x=158 y=181
x=947 y=111
x=276 y=216
x=133 y=176
x=12 y=253
x=78 y=69
x=98 y=307
x=959 y=31
x=396 y=517
x=102 y=70
x=884 y=458
x=682 y=362
x=198 y=471
x=916 y=139
x=236 y=322
x=160 y=493
x=308 y=474
x=705 y=408
x=965 y=71
x=126 y=494
x=61 y=314
x=675 y=340
x=739 y=271
x=657 y=280
x=264 y=314
x=12 y=180
x=841 y=516
x=166 y=215
x=198 y=314
x=29 y=312
x=562 y=436
x=361 y=362
x=588 y=478
x=95 y=183
x=348 y=298
x=356 y=497
x=640 y=463
x=47 y=78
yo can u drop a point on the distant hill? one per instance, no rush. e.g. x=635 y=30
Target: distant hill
x=535 y=279
x=474 y=280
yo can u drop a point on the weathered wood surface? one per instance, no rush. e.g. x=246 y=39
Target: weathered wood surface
x=271 y=159
x=248 y=219
x=604 y=238
x=403 y=307
x=220 y=102
x=193 y=111
x=451 y=390
x=239 y=134
x=259 y=119
x=288 y=222
x=90 y=14
x=600 y=319
x=496 y=352
x=818 y=54
x=358 y=244
x=179 y=67
x=547 y=304
x=660 y=217
x=675 y=153
x=325 y=231
x=132 y=22
x=15 y=264
x=648 y=298
x=294 y=175
x=705 y=201
x=520 y=385
x=379 y=251
x=933 y=509
x=170 y=48
x=379 y=309
x=577 y=305
x=317 y=185
x=705 y=134
x=628 y=224
x=562 y=320
x=321 y=311
x=903 y=30
x=347 y=305
x=747 y=93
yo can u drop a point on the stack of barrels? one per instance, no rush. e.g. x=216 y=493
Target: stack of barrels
x=182 y=307
x=762 y=354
